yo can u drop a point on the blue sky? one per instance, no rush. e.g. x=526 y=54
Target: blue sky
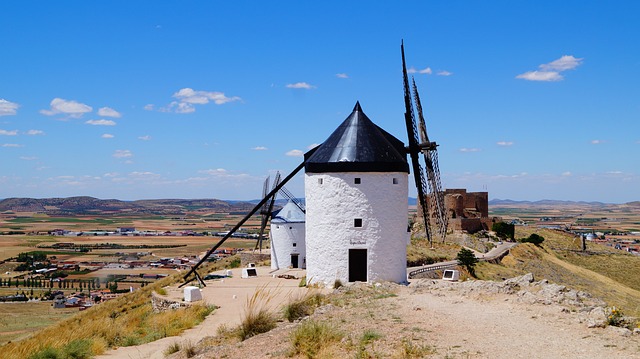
x=528 y=100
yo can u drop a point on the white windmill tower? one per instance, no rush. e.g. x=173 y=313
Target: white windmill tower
x=356 y=196
x=288 y=237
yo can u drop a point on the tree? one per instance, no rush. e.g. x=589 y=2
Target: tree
x=504 y=230
x=467 y=259
x=533 y=238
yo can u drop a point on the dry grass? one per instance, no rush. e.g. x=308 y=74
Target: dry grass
x=303 y=306
x=613 y=276
x=257 y=318
x=312 y=338
x=128 y=320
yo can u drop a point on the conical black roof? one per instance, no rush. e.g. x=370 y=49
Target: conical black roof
x=358 y=145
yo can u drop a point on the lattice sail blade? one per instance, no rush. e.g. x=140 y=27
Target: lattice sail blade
x=414 y=149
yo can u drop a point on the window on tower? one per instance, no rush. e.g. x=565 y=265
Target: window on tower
x=395 y=180
x=357 y=222
x=356 y=180
x=319 y=180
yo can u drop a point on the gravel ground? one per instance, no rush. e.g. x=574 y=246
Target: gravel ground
x=435 y=319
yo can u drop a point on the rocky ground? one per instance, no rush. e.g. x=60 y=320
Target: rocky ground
x=516 y=318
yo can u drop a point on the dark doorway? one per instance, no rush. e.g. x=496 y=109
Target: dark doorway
x=294 y=261
x=357 y=265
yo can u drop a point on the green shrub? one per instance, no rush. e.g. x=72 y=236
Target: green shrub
x=504 y=230
x=533 y=238
x=47 y=353
x=235 y=263
x=467 y=259
x=370 y=335
x=77 y=349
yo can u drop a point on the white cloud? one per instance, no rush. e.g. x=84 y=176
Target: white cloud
x=425 y=71
x=504 y=143
x=107 y=135
x=8 y=108
x=143 y=175
x=144 y=138
x=221 y=173
x=295 y=153
x=342 y=76
x=215 y=172
x=101 y=122
x=260 y=148
x=444 y=73
x=108 y=112
x=179 y=107
x=122 y=154
x=149 y=107
x=566 y=174
x=12 y=145
x=566 y=62
x=71 y=108
x=551 y=71
x=597 y=142
x=540 y=76
x=35 y=132
x=9 y=133
x=191 y=96
x=464 y=149
x=300 y=85
x=26 y=158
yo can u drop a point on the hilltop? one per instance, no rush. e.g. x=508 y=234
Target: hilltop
x=558 y=310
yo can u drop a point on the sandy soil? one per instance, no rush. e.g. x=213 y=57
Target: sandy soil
x=436 y=322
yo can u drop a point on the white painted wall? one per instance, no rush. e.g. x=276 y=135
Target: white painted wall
x=331 y=209
x=283 y=235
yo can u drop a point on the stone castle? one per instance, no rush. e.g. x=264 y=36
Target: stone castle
x=467 y=211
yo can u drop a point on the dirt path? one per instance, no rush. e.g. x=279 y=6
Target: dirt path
x=432 y=318
x=230 y=295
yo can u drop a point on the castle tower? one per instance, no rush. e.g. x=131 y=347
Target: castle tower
x=356 y=191
x=287 y=238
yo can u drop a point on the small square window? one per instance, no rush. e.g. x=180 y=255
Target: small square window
x=356 y=180
x=319 y=180
x=357 y=222
x=294 y=244
x=395 y=181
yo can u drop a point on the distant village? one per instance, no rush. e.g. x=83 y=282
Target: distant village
x=131 y=231
x=624 y=241
x=40 y=271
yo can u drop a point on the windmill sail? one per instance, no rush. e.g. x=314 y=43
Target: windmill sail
x=414 y=149
x=419 y=143
x=430 y=154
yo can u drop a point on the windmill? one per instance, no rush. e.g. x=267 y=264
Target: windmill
x=419 y=143
x=278 y=185
x=266 y=211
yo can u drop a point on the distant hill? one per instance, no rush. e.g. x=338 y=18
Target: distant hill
x=90 y=205
x=544 y=202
